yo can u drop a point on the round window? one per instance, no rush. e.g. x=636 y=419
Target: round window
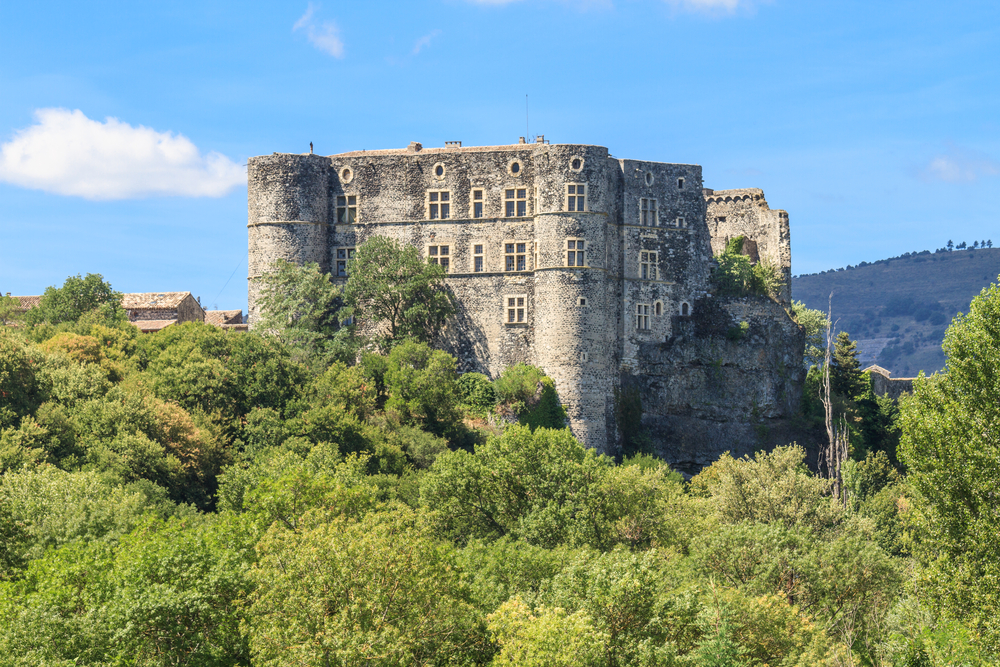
x=576 y=164
x=514 y=167
x=439 y=171
x=649 y=178
x=346 y=174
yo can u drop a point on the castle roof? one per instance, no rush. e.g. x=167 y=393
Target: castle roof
x=141 y=300
x=877 y=369
x=431 y=151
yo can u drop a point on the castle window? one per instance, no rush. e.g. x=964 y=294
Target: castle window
x=576 y=197
x=576 y=250
x=582 y=302
x=516 y=202
x=439 y=171
x=642 y=316
x=478 y=260
x=685 y=309
x=648 y=212
x=680 y=183
x=343 y=255
x=576 y=164
x=477 y=203
x=517 y=311
x=647 y=265
x=681 y=222
x=439 y=254
x=649 y=178
x=347 y=210
x=346 y=175
x=658 y=308
x=438 y=204
x=514 y=167
x=515 y=256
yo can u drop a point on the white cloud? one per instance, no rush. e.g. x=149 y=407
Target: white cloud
x=425 y=41
x=67 y=153
x=324 y=36
x=714 y=7
x=958 y=165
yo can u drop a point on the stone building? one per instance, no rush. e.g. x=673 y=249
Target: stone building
x=591 y=267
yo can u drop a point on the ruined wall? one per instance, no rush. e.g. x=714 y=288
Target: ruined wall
x=745 y=212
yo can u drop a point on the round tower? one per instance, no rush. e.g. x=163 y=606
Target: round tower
x=575 y=301
x=288 y=213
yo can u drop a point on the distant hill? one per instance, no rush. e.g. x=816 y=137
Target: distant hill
x=898 y=309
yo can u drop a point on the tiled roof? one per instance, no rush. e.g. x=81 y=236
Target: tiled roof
x=141 y=300
x=28 y=301
x=220 y=317
x=150 y=326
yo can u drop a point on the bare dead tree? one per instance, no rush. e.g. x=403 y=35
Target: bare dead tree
x=834 y=453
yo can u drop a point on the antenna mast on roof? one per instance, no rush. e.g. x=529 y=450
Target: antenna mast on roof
x=527 y=134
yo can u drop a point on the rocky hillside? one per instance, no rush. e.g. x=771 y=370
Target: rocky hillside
x=898 y=309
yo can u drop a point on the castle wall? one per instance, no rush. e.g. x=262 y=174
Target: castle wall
x=745 y=212
x=580 y=322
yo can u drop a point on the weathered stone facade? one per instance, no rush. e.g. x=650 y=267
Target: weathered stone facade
x=515 y=214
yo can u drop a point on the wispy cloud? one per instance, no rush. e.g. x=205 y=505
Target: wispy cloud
x=66 y=153
x=959 y=165
x=715 y=7
x=325 y=35
x=425 y=41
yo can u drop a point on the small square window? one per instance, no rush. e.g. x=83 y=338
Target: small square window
x=440 y=255
x=582 y=302
x=576 y=197
x=515 y=202
x=478 y=260
x=438 y=204
x=680 y=183
x=515 y=256
x=347 y=210
x=344 y=255
x=576 y=252
x=517 y=309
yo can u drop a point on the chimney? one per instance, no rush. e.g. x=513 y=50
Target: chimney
x=453 y=144
x=540 y=139
x=414 y=147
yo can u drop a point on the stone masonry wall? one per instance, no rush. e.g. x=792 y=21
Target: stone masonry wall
x=745 y=212
x=580 y=325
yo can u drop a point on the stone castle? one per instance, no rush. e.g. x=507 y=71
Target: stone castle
x=594 y=268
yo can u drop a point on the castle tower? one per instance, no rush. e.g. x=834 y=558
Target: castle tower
x=288 y=212
x=576 y=303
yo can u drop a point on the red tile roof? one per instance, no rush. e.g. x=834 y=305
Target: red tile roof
x=220 y=317
x=142 y=300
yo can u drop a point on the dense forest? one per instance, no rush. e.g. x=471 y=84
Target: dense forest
x=318 y=492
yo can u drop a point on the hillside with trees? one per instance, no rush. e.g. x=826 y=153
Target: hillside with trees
x=328 y=490
x=897 y=309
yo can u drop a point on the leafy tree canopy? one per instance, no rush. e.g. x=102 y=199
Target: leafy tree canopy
x=78 y=295
x=391 y=288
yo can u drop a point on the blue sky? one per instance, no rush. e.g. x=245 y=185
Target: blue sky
x=124 y=127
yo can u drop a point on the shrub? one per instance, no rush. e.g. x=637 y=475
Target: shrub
x=518 y=383
x=477 y=391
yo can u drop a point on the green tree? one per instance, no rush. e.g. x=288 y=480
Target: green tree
x=78 y=295
x=302 y=307
x=392 y=289
x=951 y=448
x=422 y=387
x=378 y=591
x=845 y=370
x=814 y=323
x=10 y=310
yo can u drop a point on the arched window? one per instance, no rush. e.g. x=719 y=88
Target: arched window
x=658 y=308
x=685 y=309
